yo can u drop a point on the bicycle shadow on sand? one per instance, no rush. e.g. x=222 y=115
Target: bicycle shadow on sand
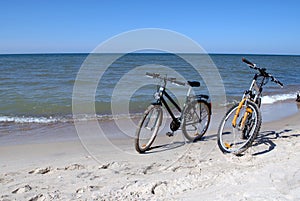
x=166 y=147
x=265 y=140
x=177 y=144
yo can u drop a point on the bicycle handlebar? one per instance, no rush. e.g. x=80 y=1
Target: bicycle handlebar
x=248 y=62
x=170 y=79
x=153 y=75
x=262 y=71
x=179 y=83
x=273 y=79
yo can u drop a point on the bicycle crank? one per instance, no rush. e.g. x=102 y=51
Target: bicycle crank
x=175 y=124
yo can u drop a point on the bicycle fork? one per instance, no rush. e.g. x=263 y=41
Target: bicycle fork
x=237 y=113
x=152 y=120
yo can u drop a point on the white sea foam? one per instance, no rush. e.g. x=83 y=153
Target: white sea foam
x=279 y=97
x=83 y=117
x=28 y=119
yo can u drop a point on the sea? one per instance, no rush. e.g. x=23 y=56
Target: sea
x=41 y=88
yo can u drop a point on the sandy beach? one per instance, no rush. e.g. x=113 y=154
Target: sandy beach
x=62 y=167
x=77 y=77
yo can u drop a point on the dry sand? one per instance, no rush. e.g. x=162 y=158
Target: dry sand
x=112 y=170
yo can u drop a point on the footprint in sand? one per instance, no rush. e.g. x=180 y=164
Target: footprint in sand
x=84 y=175
x=22 y=189
x=39 y=197
x=73 y=167
x=104 y=166
x=96 y=177
x=80 y=190
x=159 y=188
x=116 y=167
x=94 y=188
x=151 y=168
x=89 y=188
x=40 y=170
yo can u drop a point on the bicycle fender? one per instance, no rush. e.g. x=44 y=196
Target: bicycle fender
x=204 y=98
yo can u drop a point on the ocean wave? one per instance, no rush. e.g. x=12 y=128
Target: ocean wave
x=267 y=99
x=105 y=117
x=66 y=119
x=10 y=119
x=278 y=97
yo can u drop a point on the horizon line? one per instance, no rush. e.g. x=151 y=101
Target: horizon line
x=209 y=53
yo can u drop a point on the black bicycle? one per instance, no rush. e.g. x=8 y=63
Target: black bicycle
x=241 y=124
x=194 y=116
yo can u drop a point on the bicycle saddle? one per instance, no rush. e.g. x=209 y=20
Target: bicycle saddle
x=194 y=83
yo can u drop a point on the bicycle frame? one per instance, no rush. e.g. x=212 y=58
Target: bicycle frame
x=257 y=88
x=161 y=93
x=161 y=101
x=193 y=120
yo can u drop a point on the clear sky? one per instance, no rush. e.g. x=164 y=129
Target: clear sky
x=225 y=26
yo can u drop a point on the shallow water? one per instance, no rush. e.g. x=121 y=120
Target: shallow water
x=38 y=88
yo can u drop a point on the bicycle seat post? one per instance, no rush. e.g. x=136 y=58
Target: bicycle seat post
x=185 y=104
x=188 y=94
x=189 y=91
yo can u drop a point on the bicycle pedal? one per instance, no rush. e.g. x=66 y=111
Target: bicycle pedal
x=170 y=134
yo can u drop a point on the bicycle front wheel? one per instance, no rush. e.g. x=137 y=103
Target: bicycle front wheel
x=236 y=134
x=148 y=128
x=196 y=120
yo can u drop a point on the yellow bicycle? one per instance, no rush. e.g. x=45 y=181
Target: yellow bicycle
x=242 y=122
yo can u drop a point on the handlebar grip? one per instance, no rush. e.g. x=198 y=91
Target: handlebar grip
x=149 y=74
x=276 y=81
x=170 y=79
x=152 y=74
x=248 y=62
x=280 y=83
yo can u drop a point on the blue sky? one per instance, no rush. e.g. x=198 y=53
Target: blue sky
x=49 y=26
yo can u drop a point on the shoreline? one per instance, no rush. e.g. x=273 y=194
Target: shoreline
x=108 y=168
x=32 y=132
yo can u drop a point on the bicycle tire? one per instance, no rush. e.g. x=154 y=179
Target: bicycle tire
x=146 y=134
x=237 y=145
x=196 y=120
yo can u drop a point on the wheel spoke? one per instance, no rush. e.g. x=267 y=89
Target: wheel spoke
x=148 y=128
x=237 y=139
x=196 y=120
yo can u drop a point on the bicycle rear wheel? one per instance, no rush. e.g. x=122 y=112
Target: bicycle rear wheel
x=239 y=138
x=148 y=128
x=196 y=120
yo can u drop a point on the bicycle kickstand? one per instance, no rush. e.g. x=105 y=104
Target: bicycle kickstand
x=184 y=139
x=170 y=134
